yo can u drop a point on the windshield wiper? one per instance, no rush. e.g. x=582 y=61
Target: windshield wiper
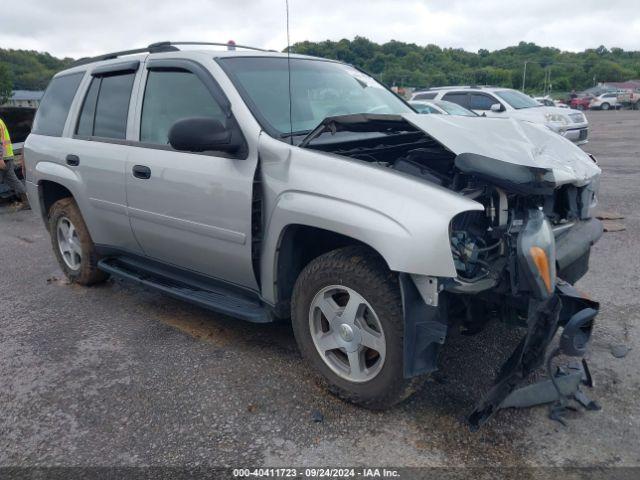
x=295 y=134
x=358 y=122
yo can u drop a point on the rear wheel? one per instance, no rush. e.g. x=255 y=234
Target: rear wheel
x=72 y=244
x=348 y=323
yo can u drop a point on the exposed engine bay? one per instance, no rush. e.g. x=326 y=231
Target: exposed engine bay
x=483 y=244
x=516 y=258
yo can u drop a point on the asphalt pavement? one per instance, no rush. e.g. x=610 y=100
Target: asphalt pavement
x=116 y=375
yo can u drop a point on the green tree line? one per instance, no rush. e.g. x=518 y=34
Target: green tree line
x=27 y=70
x=408 y=64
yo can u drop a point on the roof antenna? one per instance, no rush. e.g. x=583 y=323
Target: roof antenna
x=289 y=74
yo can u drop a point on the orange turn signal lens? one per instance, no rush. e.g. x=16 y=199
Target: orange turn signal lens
x=542 y=264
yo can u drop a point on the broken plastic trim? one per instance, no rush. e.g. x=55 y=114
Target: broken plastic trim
x=527 y=357
x=425 y=329
x=543 y=321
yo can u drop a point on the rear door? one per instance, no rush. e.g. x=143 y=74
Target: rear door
x=191 y=210
x=99 y=152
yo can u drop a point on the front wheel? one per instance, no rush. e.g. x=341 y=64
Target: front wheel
x=605 y=106
x=348 y=323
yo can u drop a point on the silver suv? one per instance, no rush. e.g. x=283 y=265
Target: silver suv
x=300 y=189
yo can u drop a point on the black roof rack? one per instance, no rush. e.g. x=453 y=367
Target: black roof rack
x=157 y=48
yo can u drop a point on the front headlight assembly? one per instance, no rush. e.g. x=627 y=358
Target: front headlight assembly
x=537 y=255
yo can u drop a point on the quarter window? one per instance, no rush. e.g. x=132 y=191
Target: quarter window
x=55 y=105
x=106 y=107
x=171 y=95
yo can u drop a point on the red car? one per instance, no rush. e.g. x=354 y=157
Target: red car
x=581 y=103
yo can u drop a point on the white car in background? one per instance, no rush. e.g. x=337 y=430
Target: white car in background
x=441 y=107
x=605 y=101
x=547 y=101
x=509 y=103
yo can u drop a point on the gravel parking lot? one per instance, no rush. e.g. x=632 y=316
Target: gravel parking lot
x=117 y=375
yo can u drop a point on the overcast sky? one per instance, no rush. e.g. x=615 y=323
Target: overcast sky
x=84 y=27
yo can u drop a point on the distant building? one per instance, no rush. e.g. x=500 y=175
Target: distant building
x=627 y=85
x=24 y=99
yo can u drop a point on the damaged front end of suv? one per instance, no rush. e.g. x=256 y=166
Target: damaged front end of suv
x=516 y=257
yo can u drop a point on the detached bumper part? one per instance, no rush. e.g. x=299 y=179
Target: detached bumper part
x=552 y=303
x=566 y=307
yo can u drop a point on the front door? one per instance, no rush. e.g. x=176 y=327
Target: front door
x=191 y=210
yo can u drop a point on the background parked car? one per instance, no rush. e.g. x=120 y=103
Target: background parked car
x=547 y=101
x=629 y=99
x=605 y=101
x=441 y=107
x=509 y=103
x=581 y=102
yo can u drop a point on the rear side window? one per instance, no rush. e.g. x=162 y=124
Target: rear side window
x=106 y=107
x=171 y=95
x=425 y=96
x=54 y=107
x=459 y=98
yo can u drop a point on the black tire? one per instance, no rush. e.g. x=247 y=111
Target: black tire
x=87 y=273
x=605 y=106
x=365 y=272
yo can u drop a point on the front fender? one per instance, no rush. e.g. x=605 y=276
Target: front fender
x=405 y=219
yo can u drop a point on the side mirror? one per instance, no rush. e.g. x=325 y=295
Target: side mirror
x=496 y=107
x=202 y=134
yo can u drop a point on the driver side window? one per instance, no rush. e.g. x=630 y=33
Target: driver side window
x=171 y=95
x=481 y=102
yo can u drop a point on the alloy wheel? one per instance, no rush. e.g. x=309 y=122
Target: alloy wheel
x=69 y=243
x=347 y=333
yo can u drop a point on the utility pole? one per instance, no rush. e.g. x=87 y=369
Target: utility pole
x=524 y=75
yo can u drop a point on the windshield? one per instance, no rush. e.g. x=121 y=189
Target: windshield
x=517 y=99
x=455 y=109
x=422 y=107
x=319 y=89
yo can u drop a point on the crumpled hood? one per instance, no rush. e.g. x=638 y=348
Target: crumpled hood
x=512 y=141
